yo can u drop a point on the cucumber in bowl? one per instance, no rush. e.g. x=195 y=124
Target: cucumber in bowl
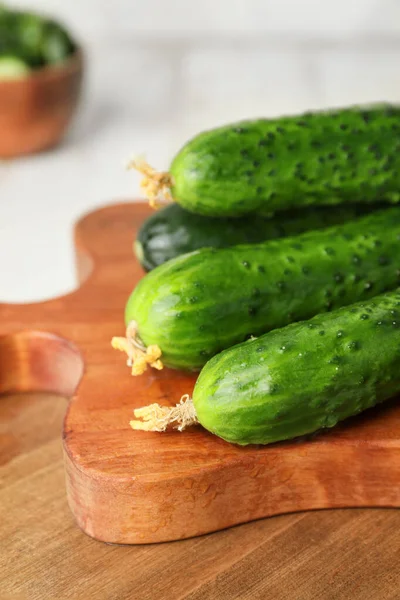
x=12 y=67
x=296 y=380
x=31 y=41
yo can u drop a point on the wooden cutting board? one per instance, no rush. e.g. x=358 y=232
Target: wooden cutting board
x=134 y=487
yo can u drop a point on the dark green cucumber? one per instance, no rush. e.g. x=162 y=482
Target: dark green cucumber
x=173 y=231
x=200 y=303
x=33 y=40
x=320 y=158
x=304 y=377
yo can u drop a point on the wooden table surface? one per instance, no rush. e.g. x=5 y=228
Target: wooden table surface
x=352 y=554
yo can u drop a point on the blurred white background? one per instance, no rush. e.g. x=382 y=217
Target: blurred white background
x=158 y=72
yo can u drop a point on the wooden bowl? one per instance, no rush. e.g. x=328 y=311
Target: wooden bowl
x=36 y=110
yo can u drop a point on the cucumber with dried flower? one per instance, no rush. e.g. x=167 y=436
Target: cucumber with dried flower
x=296 y=380
x=200 y=303
x=341 y=156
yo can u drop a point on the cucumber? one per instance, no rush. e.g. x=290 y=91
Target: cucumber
x=56 y=44
x=304 y=377
x=29 y=29
x=200 y=303
x=319 y=158
x=12 y=67
x=173 y=231
x=34 y=39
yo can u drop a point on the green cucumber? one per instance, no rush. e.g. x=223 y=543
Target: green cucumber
x=304 y=377
x=319 y=158
x=173 y=231
x=33 y=38
x=56 y=45
x=200 y=303
x=12 y=67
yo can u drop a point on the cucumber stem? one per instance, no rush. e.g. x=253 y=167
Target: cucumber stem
x=157 y=418
x=156 y=185
x=139 y=356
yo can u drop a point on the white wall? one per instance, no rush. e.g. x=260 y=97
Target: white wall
x=158 y=72
x=199 y=62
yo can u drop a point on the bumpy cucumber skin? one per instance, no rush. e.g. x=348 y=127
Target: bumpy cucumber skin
x=304 y=377
x=321 y=158
x=198 y=304
x=173 y=231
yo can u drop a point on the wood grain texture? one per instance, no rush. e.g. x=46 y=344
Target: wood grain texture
x=135 y=487
x=321 y=555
